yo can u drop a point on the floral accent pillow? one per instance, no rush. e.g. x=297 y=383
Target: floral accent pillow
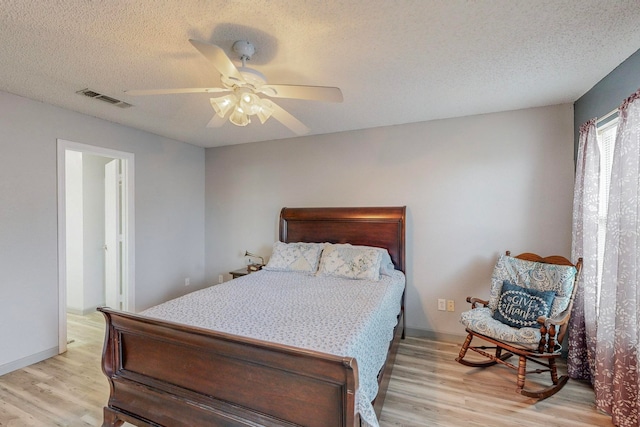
x=350 y=262
x=300 y=257
x=520 y=307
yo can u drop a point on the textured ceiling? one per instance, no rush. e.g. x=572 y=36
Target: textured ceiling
x=395 y=61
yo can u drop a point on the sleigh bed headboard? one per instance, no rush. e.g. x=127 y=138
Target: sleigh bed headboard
x=382 y=227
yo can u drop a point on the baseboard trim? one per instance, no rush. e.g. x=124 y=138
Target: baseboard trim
x=29 y=360
x=81 y=312
x=437 y=336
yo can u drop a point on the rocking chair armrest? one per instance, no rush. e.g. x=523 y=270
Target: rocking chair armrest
x=552 y=331
x=473 y=301
x=558 y=320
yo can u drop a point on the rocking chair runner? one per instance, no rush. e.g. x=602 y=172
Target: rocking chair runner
x=542 y=283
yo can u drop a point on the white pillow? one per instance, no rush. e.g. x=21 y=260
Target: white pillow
x=351 y=262
x=386 y=265
x=301 y=257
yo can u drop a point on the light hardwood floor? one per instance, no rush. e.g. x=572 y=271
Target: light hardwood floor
x=428 y=388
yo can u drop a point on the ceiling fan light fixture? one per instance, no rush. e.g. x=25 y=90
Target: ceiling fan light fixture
x=223 y=104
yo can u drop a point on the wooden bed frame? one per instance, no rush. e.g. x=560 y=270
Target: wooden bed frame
x=166 y=374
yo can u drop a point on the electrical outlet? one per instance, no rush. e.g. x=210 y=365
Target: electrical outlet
x=187 y=281
x=451 y=305
x=442 y=304
x=220 y=278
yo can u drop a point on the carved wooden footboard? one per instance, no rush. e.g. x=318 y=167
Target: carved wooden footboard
x=163 y=373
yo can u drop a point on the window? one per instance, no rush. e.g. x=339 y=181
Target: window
x=606 y=141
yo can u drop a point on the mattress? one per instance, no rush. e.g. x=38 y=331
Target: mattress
x=343 y=317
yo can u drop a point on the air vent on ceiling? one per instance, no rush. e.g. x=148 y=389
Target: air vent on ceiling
x=95 y=95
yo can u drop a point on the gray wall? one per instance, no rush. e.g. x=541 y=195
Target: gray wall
x=608 y=93
x=473 y=186
x=169 y=219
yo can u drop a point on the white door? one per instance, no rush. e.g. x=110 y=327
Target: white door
x=112 y=247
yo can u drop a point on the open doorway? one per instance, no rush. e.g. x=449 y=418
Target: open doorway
x=95 y=231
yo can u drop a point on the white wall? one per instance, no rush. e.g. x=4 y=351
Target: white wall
x=473 y=187
x=169 y=226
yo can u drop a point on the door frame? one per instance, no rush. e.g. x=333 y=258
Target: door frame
x=128 y=235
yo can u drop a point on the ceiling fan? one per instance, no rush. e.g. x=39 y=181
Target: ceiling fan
x=245 y=86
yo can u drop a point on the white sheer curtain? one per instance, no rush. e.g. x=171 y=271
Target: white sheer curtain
x=582 y=326
x=604 y=338
x=616 y=380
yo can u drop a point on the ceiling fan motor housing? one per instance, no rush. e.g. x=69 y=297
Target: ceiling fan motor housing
x=244 y=48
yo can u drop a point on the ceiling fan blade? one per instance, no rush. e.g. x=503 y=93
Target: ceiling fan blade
x=216 y=122
x=281 y=115
x=316 y=93
x=220 y=60
x=137 y=92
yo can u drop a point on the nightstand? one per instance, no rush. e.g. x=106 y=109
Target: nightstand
x=239 y=273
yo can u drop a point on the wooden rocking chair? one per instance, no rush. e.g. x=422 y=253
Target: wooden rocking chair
x=551 y=278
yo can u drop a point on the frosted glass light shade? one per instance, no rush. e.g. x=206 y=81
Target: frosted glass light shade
x=250 y=103
x=265 y=109
x=223 y=104
x=239 y=118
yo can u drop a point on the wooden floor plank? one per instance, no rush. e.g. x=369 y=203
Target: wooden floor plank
x=428 y=388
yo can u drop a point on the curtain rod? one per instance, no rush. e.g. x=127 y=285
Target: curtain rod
x=606 y=116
